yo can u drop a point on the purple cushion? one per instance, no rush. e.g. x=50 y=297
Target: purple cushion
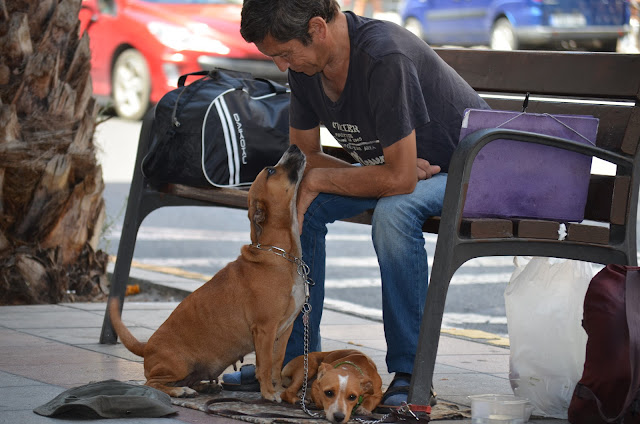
x=516 y=179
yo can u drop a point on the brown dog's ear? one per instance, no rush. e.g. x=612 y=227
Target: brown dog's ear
x=366 y=386
x=257 y=216
x=323 y=368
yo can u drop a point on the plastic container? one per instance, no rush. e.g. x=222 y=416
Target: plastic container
x=499 y=409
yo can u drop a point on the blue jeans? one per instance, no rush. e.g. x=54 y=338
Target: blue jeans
x=399 y=245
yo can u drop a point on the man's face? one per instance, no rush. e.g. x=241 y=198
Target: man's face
x=292 y=55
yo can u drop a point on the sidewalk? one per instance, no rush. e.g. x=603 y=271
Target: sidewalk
x=46 y=349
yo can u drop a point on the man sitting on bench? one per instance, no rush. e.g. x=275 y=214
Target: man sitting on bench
x=396 y=108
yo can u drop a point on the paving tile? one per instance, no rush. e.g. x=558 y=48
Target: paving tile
x=81 y=336
x=441 y=369
x=456 y=346
x=12 y=380
x=144 y=317
x=376 y=344
x=117 y=351
x=353 y=332
x=329 y=344
x=330 y=317
x=9 y=338
x=29 y=417
x=27 y=309
x=72 y=375
x=480 y=363
x=62 y=354
x=23 y=318
x=456 y=387
x=26 y=397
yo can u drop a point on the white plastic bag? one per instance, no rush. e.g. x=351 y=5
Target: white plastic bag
x=544 y=303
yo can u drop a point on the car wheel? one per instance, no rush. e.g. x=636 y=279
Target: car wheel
x=414 y=26
x=131 y=85
x=502 y=36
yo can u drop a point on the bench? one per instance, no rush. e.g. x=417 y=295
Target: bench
x=604 y=85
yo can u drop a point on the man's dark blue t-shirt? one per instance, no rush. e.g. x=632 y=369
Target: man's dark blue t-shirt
x=396 y=83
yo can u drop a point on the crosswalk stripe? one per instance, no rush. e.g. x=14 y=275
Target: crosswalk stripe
x=332 y=262
x=449 y=320
x=153 y=233
x=457 y=280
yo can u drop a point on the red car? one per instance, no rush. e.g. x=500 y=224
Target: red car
x=140 y=47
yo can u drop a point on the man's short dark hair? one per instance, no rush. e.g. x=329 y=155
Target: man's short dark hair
x=285 y=20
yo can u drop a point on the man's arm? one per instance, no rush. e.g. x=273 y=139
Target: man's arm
x=309 y=142
x=326 y=174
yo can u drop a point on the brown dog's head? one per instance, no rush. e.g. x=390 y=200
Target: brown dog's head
x=272 y=196
x=339 y=390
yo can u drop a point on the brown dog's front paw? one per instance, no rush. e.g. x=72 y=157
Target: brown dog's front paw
x=275 y=398
x=271 y=395
x=184 y=392
x=363 y=411
x=207 y=387
x=289 y=397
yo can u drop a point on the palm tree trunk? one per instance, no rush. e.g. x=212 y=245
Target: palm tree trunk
x=51 y=205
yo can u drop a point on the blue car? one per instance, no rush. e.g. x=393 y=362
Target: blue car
x=519 y=24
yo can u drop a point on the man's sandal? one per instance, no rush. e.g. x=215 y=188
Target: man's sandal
x=241 y=381
x=398 y=392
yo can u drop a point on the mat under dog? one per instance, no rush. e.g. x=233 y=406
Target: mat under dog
x=250 y=407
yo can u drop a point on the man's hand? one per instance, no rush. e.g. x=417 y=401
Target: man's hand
x=305 y=197
x=426 y=170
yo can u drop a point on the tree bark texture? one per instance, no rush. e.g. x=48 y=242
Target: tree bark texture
x=51 y=204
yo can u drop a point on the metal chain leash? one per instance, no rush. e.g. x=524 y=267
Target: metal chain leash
x=306 y=309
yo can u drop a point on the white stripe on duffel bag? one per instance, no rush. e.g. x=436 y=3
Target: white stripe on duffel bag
x=230 y=139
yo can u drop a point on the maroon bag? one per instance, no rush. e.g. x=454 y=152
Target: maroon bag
x=609 y=390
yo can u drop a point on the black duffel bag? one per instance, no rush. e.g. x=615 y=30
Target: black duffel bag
x=220 y=130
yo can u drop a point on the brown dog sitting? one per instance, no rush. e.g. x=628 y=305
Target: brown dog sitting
x=347 y=381
x=249 y=305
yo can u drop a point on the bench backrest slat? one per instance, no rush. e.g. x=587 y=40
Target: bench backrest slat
x=606 y=76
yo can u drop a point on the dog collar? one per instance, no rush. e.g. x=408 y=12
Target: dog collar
x=303 y=269
x=349 y=363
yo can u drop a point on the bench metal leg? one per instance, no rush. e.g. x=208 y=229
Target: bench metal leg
x=138 y=207
x=422 y=377
x=133 y=218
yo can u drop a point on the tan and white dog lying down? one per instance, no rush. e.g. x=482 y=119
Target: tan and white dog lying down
x=347 y=381
x=249 y=305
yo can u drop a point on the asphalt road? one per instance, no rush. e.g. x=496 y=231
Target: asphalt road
x=203 y=240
